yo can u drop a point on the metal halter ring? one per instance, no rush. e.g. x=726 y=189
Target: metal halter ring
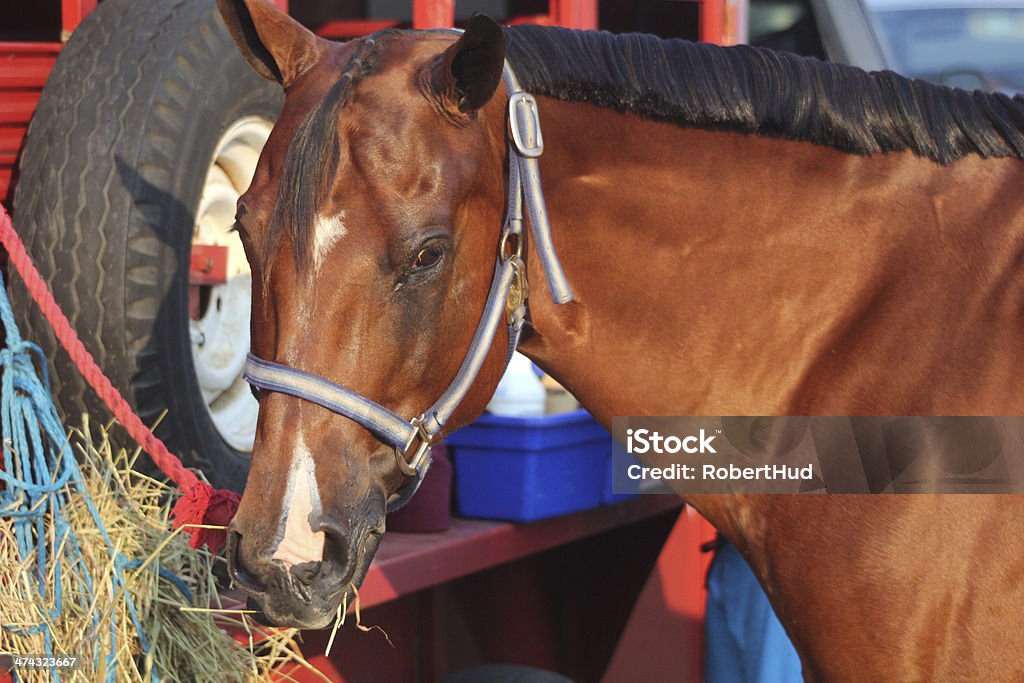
x=410 y=467
x=504 y=243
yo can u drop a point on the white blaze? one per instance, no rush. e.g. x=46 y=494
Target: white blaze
x=302 y=497
x=327 y=231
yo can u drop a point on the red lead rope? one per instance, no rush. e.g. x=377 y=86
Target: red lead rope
x=200 y=503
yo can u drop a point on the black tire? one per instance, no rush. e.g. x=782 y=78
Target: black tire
x=110 y=179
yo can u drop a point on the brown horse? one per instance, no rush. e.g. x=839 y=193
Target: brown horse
x=745 y=232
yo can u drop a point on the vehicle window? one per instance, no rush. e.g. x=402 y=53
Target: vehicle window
x=785 y=25
x=965 y=47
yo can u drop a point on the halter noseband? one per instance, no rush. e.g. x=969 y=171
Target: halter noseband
x=412 y=439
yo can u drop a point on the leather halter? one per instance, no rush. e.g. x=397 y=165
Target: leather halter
x=509 y=290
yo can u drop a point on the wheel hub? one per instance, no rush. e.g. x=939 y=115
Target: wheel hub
x=220 y=328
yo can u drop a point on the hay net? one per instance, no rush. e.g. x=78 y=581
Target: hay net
x=87 y=566
x=39 y=475
x=39 y=472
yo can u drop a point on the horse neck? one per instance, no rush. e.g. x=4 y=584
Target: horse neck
x=718 y=273
x=723 y=274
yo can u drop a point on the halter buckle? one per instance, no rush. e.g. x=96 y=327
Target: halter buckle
x=518 y=291
x=410 y=466
x=524 y=119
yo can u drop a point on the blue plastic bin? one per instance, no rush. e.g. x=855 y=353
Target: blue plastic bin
x=522 y=469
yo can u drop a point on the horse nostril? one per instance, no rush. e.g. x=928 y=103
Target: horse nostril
x=335 y=546
x=306 y=572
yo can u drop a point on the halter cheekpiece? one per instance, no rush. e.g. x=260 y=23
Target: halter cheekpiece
x=411 y=439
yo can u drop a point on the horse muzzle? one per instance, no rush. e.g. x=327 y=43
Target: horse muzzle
x=307 y=594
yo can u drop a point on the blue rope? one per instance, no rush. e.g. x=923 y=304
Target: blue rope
x=38 y=467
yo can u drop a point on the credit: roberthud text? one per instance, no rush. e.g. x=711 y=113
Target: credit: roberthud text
x=752 y=454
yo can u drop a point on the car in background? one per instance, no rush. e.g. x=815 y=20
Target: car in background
x=836 y=30
x=963 y=43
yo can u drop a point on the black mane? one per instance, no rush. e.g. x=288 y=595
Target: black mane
x=753 y=90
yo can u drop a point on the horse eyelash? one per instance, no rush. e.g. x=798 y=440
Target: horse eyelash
x=410 y=277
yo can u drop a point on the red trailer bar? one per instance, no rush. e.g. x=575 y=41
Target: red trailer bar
x=24 y=68
x=571 y=13
x=720 y=21
x=581 y=14
x=71 y=14
x=433 y=13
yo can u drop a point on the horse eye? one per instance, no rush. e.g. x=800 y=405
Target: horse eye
x=428 y=257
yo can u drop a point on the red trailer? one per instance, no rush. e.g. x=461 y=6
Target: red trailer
x=145 y=128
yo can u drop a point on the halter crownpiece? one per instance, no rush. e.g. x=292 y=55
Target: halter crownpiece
x=411 y=439
x=524 y=182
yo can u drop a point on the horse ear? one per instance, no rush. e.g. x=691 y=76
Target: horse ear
x=466 y=75
x=275 y=45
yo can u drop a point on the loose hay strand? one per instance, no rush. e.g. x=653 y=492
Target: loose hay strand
x=338 y=621
x=359 y=620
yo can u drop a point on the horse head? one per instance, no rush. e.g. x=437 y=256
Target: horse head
x=371 y=226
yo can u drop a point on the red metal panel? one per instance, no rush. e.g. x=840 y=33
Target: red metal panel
x=16 y=106
x=581 y=14
x=71 y=14
x=26 y=65
x=669 y=615
x=10 y=139
x=712 y=20
x=24 y=68
x=433 y=13
x=6 y=181
x=720 y=21
x=208 y=265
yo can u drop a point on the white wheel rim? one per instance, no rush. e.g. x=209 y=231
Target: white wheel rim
x=220 y=338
